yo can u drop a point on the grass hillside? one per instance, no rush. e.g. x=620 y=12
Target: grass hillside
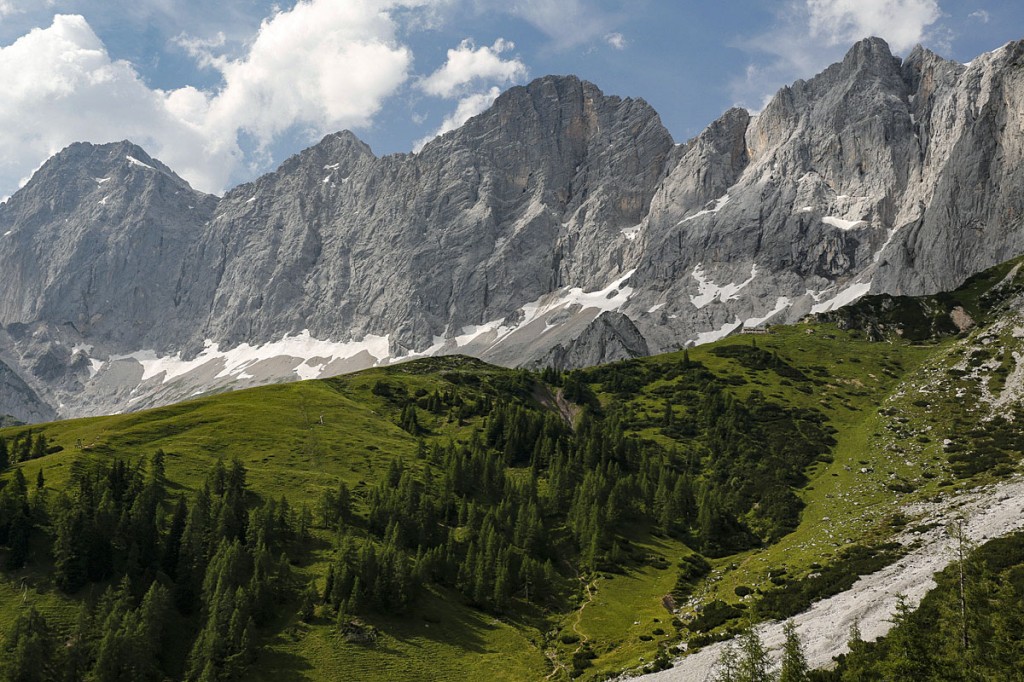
x=637 y=505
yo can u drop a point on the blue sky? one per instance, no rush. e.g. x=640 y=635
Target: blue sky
x=223 y=91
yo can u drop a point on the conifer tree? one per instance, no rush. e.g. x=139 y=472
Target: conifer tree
x=794 y=664
x=29 y=652
x=755 y=663
x=727 y=666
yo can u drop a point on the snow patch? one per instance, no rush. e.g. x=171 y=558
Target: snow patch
x=135 y=162
x=103 y=201
x=708 y=292
x=781 y=303
x=333 y=166
x=611 y=298
x=843 y=224
x=631 y=233
x=100 y=181
x=719 y=203
x=656 y=308
x=8 y=233
x=888 y=240
x=240 y=358
x=844 y=297
x=720 y=333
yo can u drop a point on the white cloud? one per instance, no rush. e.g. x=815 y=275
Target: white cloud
x=319 y=67
x=324 y=64
x=981 y=15
x=616 y=40
x=467 y=108
x=567 y=22
x=808 y=35
x=468 y=64
x=467 y=70
x=900 y=22
x=202 y=49
x=61 y=86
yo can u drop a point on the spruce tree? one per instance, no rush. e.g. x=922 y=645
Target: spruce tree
x=29 y=652
x=794 y=664
x=727 y=666
x=755 y=663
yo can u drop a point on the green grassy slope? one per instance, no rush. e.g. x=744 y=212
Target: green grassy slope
x=892 y=406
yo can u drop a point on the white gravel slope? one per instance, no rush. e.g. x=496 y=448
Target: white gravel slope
x=988 y=512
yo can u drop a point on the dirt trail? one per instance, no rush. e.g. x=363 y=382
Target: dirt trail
x=552 y=654
x=988 y=512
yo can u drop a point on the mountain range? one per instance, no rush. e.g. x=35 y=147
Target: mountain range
x=560 y=227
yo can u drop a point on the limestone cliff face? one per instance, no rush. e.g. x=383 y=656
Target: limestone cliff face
x=520 y=201
x=560 y=226
x=879 y=174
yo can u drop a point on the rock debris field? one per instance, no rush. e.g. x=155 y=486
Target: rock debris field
x=988 y=512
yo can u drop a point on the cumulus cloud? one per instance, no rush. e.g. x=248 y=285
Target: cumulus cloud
x=467 y=65
x=808 y=35
x=616 y=40
x=900 y=22
x=467 y=70
x=319 y=67
x=60 y=85
x=468 y=107
x=324 y=64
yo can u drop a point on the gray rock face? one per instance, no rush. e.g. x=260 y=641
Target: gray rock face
x=877 y=175
x=522 y=200
x=96 y=243
x=610 y=337
x=561 y=225
x=19 y=401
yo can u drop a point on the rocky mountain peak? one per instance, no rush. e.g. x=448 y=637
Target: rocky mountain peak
x=559 y=218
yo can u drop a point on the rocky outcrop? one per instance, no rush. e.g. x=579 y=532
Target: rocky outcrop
x=19 y=401
x=516 y=236
x=610 y=337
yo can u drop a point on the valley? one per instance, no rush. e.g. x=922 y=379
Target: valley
x=841 y=444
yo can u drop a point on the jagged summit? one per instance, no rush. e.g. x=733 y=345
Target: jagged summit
x=512 y=235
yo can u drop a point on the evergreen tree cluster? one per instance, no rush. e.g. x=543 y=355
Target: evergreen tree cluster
x=24 y=446
x=212 y=570
x=742 y=460
x=965 y=629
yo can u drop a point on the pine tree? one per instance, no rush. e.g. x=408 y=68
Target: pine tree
x=727 y=666
x=755 y=663
x=307 y=605
x=18 y=534
x=856 y=666
x=29 y=652
x=794 y=664
x=39 y=447
x=910 y=656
